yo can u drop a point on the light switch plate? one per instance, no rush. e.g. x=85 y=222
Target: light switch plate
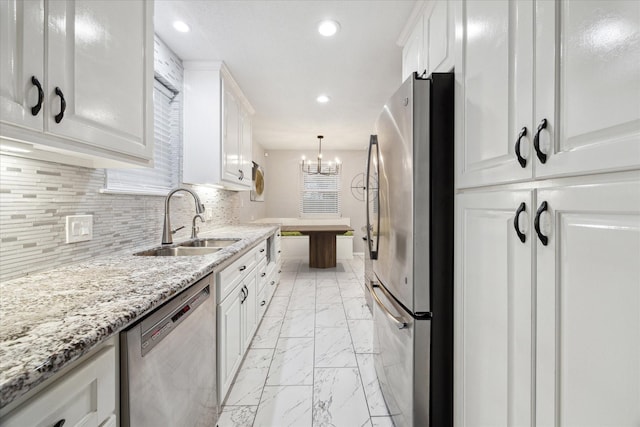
x=209 y=214
x=79 y=228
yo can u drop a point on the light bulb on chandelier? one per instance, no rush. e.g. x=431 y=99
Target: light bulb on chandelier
x=318 y=168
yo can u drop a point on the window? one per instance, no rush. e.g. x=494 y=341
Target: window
x=319 y=195
x=165 y=174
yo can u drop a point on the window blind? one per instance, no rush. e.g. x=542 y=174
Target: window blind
x=319 y=195
x=165 y=173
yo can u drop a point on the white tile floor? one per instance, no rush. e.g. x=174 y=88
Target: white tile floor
x=310 y=362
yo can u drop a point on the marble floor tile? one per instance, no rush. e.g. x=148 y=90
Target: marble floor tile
x=328 y=295
x=333 y=348
x=330 y=316
x=356 y=308
x=298 y=323
x=362 y=335
x=284 y=289
x=327 y=279
x=338 y=398
x=277 y=307
x=351 y=289
x=375 y=400
x=300 y=290
x=292 y=362
x=285 y=406
x=380 y=422
x=268 y=333
x=303 y=301
x=247 y=387
x=237 y=416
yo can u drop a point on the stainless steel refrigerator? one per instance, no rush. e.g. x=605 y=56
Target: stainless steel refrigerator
x=410 y=234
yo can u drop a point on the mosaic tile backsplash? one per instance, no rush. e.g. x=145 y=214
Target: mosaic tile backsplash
x=36 y=196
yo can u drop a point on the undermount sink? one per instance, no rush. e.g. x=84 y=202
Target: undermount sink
x=209 y=243
x=179 y=251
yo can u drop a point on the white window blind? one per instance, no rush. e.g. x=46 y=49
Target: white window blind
x=319 y=195
x=165 y=173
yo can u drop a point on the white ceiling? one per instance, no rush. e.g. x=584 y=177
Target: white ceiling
x=276 y=55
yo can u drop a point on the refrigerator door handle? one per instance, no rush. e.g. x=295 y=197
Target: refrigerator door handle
x=373 y=252
x=396 y=320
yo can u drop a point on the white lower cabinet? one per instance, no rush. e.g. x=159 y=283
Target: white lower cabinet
x=85 y=396
x=547 y=330
x=249 y=310
x=229 y=340
x=588 y=306
x=493 y=317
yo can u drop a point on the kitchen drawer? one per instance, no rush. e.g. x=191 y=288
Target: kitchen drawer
x=261 y=250
x=85 y=397
x=229 y=278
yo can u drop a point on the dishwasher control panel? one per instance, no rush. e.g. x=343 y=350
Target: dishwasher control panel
x=169 y=319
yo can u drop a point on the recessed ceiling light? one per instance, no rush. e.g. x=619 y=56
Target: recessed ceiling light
x=328 y=28
x=323 y=99
x=181 y=26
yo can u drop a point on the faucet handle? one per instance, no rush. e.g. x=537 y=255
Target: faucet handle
x=177 y=229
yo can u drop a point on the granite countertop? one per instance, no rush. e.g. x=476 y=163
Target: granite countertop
x=49 y=320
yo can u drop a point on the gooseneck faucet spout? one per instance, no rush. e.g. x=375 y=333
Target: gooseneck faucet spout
x=167 y=232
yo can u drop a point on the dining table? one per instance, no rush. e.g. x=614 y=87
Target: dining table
x=322 y=242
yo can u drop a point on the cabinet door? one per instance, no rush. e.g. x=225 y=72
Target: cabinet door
x=100 y=56
x=587 y=68
x=246 y=163
x=439 y=37
x=494 y=56
x=493 y=300
x=230 y=346
x=588 y=305
x=22 y=47
x=231 y=156
x=412 y=53
x=250 y=309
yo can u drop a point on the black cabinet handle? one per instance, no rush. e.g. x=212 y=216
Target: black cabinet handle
x=279 y=251
x=36 y=108
x=243 y=297
x=521 y=235
x=62 y=421
x=536 y=223
x=241 y=177
x=263 y=274
x=63 y=105
x=279 y=271
x=263 y=302
x=243 y=268
x=536 y=141
x=261 y=250
x=521 y=160
x=273 y=283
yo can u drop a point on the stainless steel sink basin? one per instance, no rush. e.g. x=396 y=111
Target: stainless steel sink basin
x=209 y=243
x=179 y=251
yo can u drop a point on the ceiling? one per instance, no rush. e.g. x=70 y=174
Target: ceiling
x=282 y=63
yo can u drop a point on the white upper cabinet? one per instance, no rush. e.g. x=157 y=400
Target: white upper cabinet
x=21 y=63
x=494 y=85
x=217 y=128
x=585 y=69
x=588 y=305
x=587 y=80
x=94 y=62
x=430 y=46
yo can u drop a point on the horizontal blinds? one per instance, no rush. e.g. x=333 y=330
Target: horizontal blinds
x=319 y=195
x=164 y=174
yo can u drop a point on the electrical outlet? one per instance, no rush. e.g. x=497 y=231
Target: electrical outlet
x=79 y=228
x=209 y=214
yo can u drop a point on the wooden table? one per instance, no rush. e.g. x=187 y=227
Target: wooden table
x=322 y=242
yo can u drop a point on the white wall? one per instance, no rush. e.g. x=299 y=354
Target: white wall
x=282 y=174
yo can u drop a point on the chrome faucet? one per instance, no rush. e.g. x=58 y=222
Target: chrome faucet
x=167 y=232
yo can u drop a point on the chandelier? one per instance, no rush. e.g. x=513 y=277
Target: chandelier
x=317 y=168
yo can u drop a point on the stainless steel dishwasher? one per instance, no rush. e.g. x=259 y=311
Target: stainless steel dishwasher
x=168 y=363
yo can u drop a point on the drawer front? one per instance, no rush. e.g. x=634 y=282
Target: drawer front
x=261 y=251
x=229 y=278
x=85 y=396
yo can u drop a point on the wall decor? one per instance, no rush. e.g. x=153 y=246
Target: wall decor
x=257 y=186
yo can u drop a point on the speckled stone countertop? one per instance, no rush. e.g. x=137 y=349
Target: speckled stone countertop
x=48 y=320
